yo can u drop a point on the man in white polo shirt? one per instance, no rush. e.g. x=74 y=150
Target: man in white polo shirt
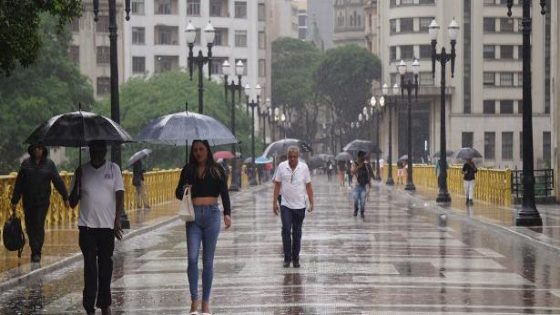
x=293 y=181
x=98 y=187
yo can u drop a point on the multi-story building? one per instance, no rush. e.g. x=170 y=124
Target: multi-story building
x=349 y=23
x=372 y=26
x=90 y=46
x=555 y=90
x=321 y=23
x=484 y=99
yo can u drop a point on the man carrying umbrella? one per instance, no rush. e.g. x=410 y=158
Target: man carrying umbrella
x=98 y=187
x=138 y=178
x=469 y=171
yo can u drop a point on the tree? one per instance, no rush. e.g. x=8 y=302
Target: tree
x=293 y=64
x=344 y=79
x=20 y=32
x=143 y=100
x=31 y=95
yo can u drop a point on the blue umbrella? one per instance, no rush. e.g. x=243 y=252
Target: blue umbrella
x=263 y=160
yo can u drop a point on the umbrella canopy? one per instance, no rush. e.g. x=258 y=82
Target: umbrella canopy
x=361 y=145
x=248 y=160
x=183 y=127
x=315 y=162
x=467 y=153
x=280 y=147
x=404 y=158
x=138 y=156
x=225 y=155
x=325 y=157
x=448 y=153
x=77 y=129
x=263 y=160
x=343 y=156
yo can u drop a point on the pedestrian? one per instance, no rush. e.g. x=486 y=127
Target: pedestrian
x=293 y=181
x=330 y=169
x=400 y=172
x=469 y=171
x=349 y=173
x=139 y=185
x=207 y=181
x=98 y=187
x=438 y=171
x=363 y=180
x=223 y=163
x=341 y=172
x=33 y=186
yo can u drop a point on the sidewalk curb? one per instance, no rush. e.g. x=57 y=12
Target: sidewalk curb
x=455 y=213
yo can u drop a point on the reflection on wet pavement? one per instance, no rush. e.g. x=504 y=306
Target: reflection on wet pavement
x=401 y=259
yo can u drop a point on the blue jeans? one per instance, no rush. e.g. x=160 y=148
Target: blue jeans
x=204 y=230
x=359 y=195
x=292 y=220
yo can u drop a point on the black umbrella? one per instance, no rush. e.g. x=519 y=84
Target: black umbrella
x=343 y=156
x=361 y=145
x=280 y=147
x=448 y=153
x=76 y=129
x=183 y=127
x=467 y=153
x=315 y=162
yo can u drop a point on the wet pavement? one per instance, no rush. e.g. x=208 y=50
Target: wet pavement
x=406 y=257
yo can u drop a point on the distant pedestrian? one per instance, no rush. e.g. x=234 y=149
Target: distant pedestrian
x=349 y=173
x=469 y=171
x=139 y=184
x=293 y=181
x=341 y=173
x=400 y=172
x=363 y=180
x=33 y=185
x=98 y=187
x=207 y=181
x=330 y=169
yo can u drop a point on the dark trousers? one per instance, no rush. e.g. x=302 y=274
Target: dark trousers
x=292 y=220
x=35 y=226
x=97 y=247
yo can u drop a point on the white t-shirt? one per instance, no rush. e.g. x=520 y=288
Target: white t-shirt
x=293 y=184
x=97 y=200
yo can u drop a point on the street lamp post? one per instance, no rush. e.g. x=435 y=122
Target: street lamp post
x=385 y=89
x=377 y=109
x=114 y=68
x=264 y=115
x=443 y=57
x=528 y=215
x=408 y=85
x=253 y=102
x=200 y=60
x=233 y=87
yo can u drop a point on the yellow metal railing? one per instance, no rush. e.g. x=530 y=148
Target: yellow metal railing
x=492 y=185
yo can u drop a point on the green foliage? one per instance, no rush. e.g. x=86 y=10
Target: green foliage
x=344 y=79
x=52 y=85
x=142 y=100
x=21 y=30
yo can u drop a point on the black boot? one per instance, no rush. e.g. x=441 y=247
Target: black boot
x=362 y=213
x=355 y=212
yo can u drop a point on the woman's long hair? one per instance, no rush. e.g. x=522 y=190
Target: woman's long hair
x=211 y=166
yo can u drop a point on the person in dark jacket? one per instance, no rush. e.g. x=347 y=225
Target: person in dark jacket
x=138 y=183
x=33 y=186
x=469 y=171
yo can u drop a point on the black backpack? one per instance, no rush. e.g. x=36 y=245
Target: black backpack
x=12 y=235
x=362 y=175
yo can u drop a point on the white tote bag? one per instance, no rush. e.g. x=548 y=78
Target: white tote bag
x=186 y=209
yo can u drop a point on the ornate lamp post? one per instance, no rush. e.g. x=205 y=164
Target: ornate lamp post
x=114 y=68
x=389 y=108
x=443 y=57
x=528 y=215
x=408 y=85
x=264 y=116
x=253 y=102
x=233 y=87
x=377 y=109
x=200 y=60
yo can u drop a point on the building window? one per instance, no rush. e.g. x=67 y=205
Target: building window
x=424 y=2
x=506 y=52
x=506 y=25
x=137 y=7
x=521 y=145
x=165 y=7
x=166 y=63
x=221 y=38
x=102 y=55
x=393 y=26
x=507 y=145
x=519 y=78
x=489 y=52
x=547 y=148
x=407 y=52
x=425 y=52
x=426 y=78
x=489 y=107
x=407 y=25
x=425 y=23
x=138 y=36
x=407 y=2
x=246 y=65
x=262 y=40
x=261 y=12
x=262 y=68
x=166 y=35
x=489 y=78
x=395 y=79
x=519 y=52
x=489 y=2
x=520 y=107
x=240 y=38
x=506 y=107
x=193 y=7
x=467 y=139
x=102 y=25
x=392 y=53
x=506 y=78
x=217 y=8
x=240 y=9
x=489 y=145
x=489 y=25
x=103 y=86
x=216 y=68
x=138 y=64
x=74 y=54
